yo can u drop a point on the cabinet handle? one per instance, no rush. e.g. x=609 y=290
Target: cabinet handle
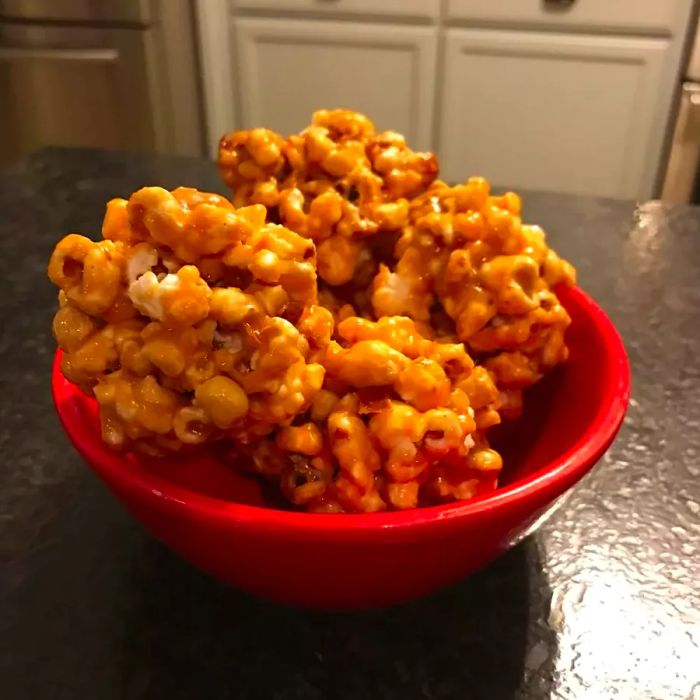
x=558 y=5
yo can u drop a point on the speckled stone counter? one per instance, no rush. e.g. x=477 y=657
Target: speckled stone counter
x=603 y=602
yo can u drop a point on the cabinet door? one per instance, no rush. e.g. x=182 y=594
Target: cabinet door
x=566 y=113
x=287 y=69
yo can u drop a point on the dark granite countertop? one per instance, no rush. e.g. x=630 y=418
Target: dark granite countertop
x=603 y=602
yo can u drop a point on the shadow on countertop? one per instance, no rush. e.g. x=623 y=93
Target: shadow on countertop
x=100 y=610
x=469 y=641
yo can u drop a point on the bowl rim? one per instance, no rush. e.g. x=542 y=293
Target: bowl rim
x=545 y=481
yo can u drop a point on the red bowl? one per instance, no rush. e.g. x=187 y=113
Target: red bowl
x=219 y=521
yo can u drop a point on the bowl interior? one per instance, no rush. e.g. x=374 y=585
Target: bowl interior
x=558 y=411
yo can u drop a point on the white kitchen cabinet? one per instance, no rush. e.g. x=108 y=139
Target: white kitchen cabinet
x=287 y=69
x=566 y=113
x=533 y=94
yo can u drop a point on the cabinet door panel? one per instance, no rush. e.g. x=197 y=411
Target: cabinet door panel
x=557 y=112
x=287 y=69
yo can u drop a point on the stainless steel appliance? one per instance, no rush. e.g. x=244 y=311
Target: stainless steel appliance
x=682 y=179
x=115 y=74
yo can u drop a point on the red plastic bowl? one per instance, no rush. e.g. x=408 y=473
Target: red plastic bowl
x=218 y=521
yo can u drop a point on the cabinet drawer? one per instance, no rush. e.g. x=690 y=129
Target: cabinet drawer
x=668 y=16
x=423 y=9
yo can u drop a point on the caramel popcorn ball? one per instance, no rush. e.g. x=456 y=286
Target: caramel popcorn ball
x=346 y=327
x=190 y=321
x=400 y=422
x=468 y=253
x=338 y=182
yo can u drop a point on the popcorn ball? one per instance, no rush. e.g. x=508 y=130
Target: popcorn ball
x=466 y=253
x=190 y=320
x=400 y=422
x=338 y=182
